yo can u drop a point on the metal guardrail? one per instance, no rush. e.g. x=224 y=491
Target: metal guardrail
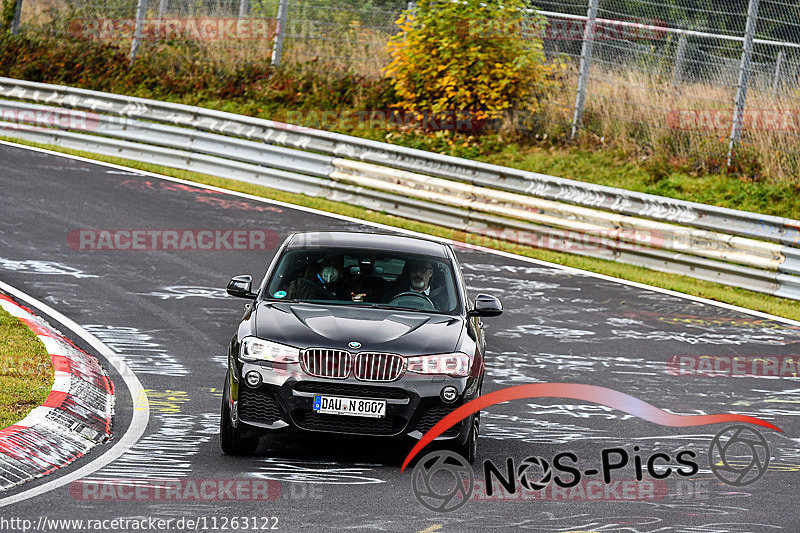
x=706 y=242
x=743 y=223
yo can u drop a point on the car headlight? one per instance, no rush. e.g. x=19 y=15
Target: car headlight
x=451 y=364
x=255 y=349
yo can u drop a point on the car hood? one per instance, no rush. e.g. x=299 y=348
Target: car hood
x=384 y=330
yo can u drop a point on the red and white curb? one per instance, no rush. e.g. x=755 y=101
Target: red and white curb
x=76 y=416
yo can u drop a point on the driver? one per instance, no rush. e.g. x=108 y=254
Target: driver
x=420 y=273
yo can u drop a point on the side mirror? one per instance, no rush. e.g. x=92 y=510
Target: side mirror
x=486 y=305
x=240 y=286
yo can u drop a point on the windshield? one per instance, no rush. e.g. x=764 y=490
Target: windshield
x=366 y=278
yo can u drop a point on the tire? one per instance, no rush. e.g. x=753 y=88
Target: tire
x=230 y=439
x=469 y=449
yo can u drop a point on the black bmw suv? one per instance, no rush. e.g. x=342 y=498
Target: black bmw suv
x=355 y=333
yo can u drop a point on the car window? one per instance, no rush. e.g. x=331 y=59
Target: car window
x=391 y=267
x=368 y=278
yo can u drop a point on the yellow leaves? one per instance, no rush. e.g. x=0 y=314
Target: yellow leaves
x=448 y=81
x=436 y=70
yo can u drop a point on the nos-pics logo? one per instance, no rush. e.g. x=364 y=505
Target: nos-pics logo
x=443 y=481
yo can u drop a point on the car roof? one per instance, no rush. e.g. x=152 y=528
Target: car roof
x=367 y=241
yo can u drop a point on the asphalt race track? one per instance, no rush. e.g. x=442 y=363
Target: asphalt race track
x=167 y=315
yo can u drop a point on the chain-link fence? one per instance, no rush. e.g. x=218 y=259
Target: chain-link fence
x=684 y=71
x=692 y=74
x=349 y=34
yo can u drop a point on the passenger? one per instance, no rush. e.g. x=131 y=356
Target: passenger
x=321 y=281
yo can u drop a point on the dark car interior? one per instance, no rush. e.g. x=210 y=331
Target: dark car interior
x=368 y=278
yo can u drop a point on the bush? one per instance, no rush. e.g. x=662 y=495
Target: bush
x=480 y=56
x=6 y=15
x=184 y=72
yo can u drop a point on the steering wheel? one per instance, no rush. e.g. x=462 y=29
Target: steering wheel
x=413 y=297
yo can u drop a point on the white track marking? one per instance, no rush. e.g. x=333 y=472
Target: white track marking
x=417 y=234
x=139 y=419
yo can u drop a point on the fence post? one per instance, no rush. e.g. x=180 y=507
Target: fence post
x=586 y=60
x=280 y=29
x=778 y=66
x=15 y=22
x=141 y=10
x=244 y=8
x=162 y=9
x=744 y=77
x=680 y=59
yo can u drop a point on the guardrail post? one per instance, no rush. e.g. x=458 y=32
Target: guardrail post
x=680 y=59
x=586 y=60
x=141 y=10
x=280 y=29
x=778 y=66
x=15 y=22
x=244 y=8
x=744 y=77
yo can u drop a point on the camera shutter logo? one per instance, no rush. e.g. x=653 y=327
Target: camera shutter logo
x=447 y=492
x=738 y=455
x=525 y=469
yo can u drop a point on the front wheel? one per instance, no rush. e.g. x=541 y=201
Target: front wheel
x=230 y=439
x=469 y=449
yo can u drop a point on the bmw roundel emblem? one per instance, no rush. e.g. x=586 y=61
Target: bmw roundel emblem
x=354 y=345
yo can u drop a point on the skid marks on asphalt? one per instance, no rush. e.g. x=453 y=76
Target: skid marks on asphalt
x=46 y=268
x=504 y=426
x=323 y=472
x=180 y=292
x=140 y=349
x=167 y=452
x=516 y=368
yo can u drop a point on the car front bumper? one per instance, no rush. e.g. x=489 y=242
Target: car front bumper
x=284 y=401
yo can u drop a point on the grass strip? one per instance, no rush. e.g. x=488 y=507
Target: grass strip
x=26 y=372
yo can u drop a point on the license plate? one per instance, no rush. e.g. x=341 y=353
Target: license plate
x=336 y=405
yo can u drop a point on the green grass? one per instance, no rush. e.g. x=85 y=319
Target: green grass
x=26 y=372
x=706 y=289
